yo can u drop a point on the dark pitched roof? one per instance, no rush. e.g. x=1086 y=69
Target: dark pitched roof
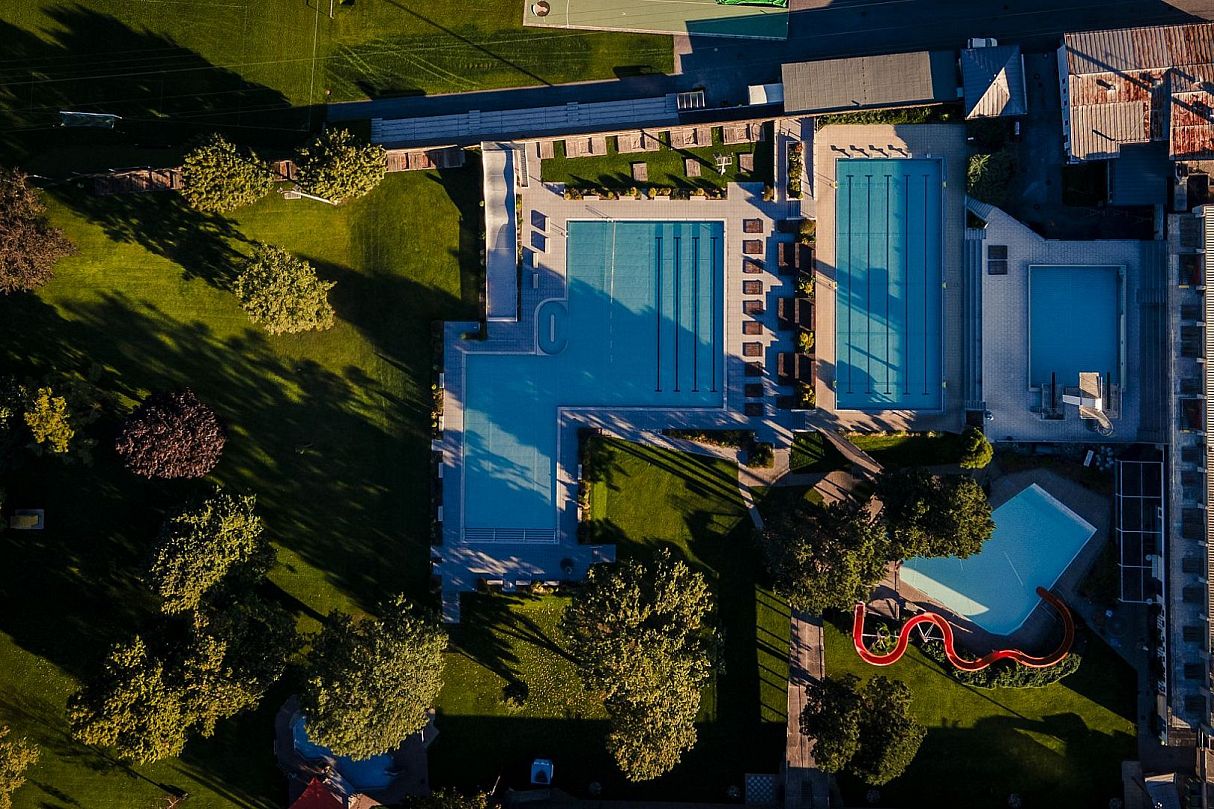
x=993 y=82
x=317 y=796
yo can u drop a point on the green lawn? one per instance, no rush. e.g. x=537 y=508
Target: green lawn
x=652 y=498
x=330 y=430
x=910 y=449
x=1061 y=745
x=666 y=168
x=813 y=453
x=233 y=62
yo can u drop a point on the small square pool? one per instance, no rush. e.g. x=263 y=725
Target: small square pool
x=1036 y=538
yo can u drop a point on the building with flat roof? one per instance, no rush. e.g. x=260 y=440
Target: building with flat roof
x=1138 y=85
x=870 y=82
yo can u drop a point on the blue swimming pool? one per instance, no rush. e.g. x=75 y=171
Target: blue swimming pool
x=1036 y=537
x=642 y=327
x=888 y=300
x=368 y=774
x=1074 y=323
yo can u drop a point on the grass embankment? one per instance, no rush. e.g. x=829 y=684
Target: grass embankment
x=330 y=431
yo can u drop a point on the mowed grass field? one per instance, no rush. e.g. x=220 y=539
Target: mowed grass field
x=330 y=431
x=245 y=62
x=1061 y=745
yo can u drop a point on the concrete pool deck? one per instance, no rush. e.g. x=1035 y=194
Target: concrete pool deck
x=943 y=142
x=466 y=561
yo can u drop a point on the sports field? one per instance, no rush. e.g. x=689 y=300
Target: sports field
x=888 y=304
x=243 y=63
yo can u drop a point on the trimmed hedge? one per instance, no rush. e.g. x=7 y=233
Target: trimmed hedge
x=1005 y=673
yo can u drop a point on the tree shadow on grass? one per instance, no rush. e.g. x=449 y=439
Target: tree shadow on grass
x=164 y=224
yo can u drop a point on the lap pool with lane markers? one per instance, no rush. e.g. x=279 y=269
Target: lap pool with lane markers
x=642 y=327
x=888 y=268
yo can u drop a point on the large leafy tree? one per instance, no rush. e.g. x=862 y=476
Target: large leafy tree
x=372 y=682
x=889 y=735
x=865 y=728
x=16 y=756
x=133 y=706
x=934 y=515
x=201 y=544
x=338 y=167
x=29 y=246
x=831 y=717
x=283 y=293
x=638 y=632
x=216 y=177
x=171 y=435
x=824 y=558
x=146 y=704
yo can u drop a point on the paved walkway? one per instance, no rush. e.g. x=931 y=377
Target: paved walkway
x=805 y=786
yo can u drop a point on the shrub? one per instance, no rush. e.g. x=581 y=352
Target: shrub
x=338 y=167
x=805 y=284
x=171 y=435
x=807 y=397
x=49 y=421
x=761 y=456
x=282 y=292
x=989 y=176
x=16 y=756
x=807 y=231
x=29 y=246
x=217 y=178
x=735 y=439
x=1004 y=673
x=805 y=342
x=976 y=450
x=795 y=170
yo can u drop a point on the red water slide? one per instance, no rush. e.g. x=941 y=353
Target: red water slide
x=1064 y=648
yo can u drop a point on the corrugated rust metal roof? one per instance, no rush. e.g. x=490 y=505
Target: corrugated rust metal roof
x=1192 y=126
x=1158 y=47
x=865 y=82
x=1098 y=130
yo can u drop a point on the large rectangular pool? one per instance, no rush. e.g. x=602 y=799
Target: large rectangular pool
x=1036 y=537
x=888 y=301
x=642 y=327
x=1074 y=323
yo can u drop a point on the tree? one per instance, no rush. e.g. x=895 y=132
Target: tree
x=638 y=633
x=889 y=735
x=48 y=419
x=338 y=167
x=831 y=716
x=218 y=178
x=824 y=558
x=446 y=798
x=133 y=707
x=171 y=435
x=29 y=247
x=866 y=728
x=145 y=705
x=282 y=292
x=16 y=756
x=372 y=682
x=201 y=544
x=976 y=449
x=934 y=515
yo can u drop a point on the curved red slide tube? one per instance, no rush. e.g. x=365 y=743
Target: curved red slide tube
x=1064 y=648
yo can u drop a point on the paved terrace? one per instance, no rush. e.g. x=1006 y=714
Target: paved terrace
x=1004 y=381
x=942 y=141
x=466 y=560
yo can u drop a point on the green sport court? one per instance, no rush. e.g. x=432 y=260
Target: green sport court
x=699 y=17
